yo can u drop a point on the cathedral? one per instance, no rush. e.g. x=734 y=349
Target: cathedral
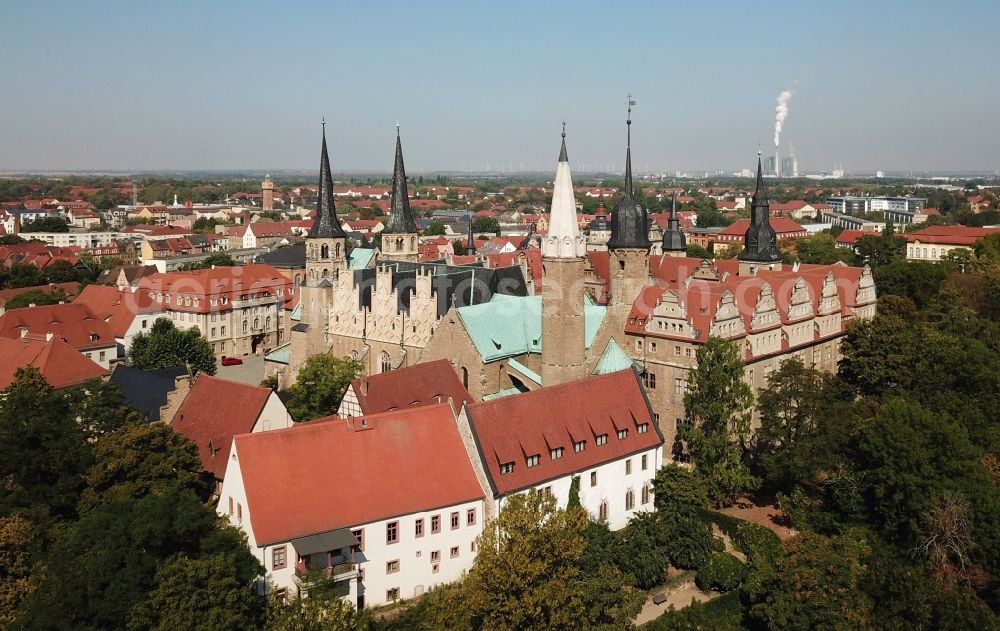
x=629 y=304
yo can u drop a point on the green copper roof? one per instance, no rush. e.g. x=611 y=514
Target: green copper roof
x=506 y=392
x=282 y=354
x=613 y=359
x=512 y=325
x=361 y=257
x=297 y=311
x=524 y=370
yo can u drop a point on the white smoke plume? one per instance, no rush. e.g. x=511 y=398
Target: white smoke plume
x=781 y=110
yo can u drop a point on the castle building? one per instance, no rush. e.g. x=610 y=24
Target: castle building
x=383 y=313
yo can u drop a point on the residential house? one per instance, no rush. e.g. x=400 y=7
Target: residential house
x=73 y=323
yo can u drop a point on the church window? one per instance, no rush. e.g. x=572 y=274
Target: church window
x=386 y=365
x=645 y=495
x=602 y=512
x=629 y=500
x=324 y=251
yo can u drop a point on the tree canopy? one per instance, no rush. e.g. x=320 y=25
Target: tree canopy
x=320 y=385
x=166 y=346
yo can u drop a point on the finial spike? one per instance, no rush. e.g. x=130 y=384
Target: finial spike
x=564 y=129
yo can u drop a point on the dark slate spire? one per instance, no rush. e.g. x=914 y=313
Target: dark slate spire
x=760 y=244
x=673 y=239
x=326 y=224
x=628 y=218
x=400 y=218
x=562 y=152
x=472 y=239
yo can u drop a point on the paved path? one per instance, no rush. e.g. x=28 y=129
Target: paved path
x=251 y=371
x=679 y=596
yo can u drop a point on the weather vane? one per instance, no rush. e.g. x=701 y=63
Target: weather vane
x=564 y=129
x=631 y=102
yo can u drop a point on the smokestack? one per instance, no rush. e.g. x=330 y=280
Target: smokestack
x=781 y=112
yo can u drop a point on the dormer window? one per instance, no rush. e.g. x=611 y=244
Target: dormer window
x=93 y=337
x=622 y=434
x=507 y=467
x=533 y=460
x=642 y=428
x=602 y=439
x=556 y=453
x=579 y=446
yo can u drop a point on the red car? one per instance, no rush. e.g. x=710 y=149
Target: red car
x=231 y=361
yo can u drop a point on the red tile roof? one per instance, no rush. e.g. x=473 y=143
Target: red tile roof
x=213 y=412
x=420 y=384
x=70 y=289
x=950 y=235
x=117 y=308
x=74 y=323
x=59 y=363
x=231 y=282
x=334 y=473
x=510 y=429
x=783 y=226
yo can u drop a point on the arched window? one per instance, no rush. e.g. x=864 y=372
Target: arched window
x=256 y=323
x=399 y=244
x=629 y=500
x=465 y=376
x=246 y=326
x=298 y=279
x=645 y=493
x=602 y=512
x=324 y=251
x=338 y=250
x=386 y=365
x=267 y=322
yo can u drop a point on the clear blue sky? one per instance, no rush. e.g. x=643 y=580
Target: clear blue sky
x=243 y=85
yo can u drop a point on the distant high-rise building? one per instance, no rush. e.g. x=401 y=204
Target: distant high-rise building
x=790 y=167
x=770 y=165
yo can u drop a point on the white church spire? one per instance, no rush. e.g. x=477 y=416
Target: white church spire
x=563 y=239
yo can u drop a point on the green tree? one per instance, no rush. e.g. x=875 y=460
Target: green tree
x=316 y=614
x=17 y=536
x=199 y=594
x=37 y=297
x=43 y=452
x=717 y=406
x=61 y=271
x=320 y=385
x=485 y=224
x=822 y=248
x=815 y=584
x=138 y=460
x=166 y=346
x=676 y=487
x=45 y=224
x=218 y=259
x=100 y=407
x=793 y=409
x=527 y=574
x=434 y=228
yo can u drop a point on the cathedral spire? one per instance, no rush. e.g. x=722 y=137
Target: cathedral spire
x=563 y=239
x=673 y=238
x=629 y=223
x=326 y=225
x=760 y=243
x=400 y=218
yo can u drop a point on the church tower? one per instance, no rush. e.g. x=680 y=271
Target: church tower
x=399 y=238
x=267 y=194
x=563 y=252
x=326 y=257
x=674 y=242
x=760 y=243
x=629 y=244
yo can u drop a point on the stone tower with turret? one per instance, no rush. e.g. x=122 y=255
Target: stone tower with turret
x=399 y=238
x=563 y=252
x=326 y=258
x=628 y=246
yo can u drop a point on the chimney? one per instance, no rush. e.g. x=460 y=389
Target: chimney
x=182 y=386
